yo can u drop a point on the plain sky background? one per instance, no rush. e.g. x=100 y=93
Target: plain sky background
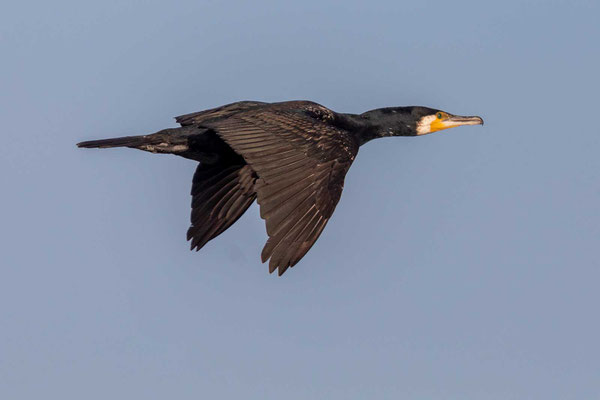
x=460 y=265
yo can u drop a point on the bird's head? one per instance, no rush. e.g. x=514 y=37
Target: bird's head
x=415 y=120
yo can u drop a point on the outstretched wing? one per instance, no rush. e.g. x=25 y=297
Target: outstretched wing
x=216 y=113
x=221 y=193
x=301 y=163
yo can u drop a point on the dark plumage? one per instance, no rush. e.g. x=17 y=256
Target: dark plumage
x=292 y=157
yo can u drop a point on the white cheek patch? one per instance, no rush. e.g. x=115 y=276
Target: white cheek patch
x=424 y=125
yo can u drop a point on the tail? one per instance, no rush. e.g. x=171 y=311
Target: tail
x=126 y=141
x=173 y=140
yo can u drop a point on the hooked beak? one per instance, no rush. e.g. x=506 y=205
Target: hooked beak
x=457 y=120
x=432 y=123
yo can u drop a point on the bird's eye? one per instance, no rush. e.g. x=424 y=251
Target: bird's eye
x=439 y=115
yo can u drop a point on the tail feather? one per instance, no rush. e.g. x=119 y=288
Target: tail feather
x=168 y=141
x=126 y=141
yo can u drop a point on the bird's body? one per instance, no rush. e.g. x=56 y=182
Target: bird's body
x=292 y=157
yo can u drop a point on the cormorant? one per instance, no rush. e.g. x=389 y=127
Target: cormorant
x=291 y=156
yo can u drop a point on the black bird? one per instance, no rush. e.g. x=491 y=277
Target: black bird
x=291 y=156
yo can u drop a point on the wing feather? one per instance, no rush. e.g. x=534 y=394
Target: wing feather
x=216 y=113
x=300 y=163
x=220 y=195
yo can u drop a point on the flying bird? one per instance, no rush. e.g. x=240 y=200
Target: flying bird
x=292 y=157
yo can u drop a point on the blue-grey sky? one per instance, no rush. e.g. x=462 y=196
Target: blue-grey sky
x=460 y=265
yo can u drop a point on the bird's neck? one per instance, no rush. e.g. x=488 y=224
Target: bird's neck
x=366 y=130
